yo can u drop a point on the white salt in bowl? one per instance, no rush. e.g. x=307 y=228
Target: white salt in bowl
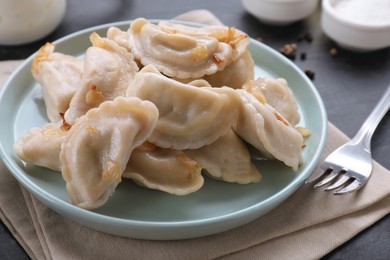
x=280 y=12
x=358 y=25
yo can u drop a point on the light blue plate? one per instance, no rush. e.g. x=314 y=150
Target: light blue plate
x=148 y=214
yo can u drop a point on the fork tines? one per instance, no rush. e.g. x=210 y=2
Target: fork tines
x=336 y=179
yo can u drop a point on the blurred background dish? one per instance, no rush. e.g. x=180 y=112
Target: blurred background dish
x=25 y=21
x=358 y=25
x=280 y=12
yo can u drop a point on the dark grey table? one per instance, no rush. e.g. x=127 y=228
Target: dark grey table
x=349 y=83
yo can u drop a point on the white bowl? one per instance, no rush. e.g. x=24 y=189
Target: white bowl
x=280 y=12
x=358 y=32
x=25 y=21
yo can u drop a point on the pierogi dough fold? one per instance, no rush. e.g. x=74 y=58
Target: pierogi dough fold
x=59 y=76
x=226 y=159
x=42 y=146
x=189 y=116
x=108 y=69
x=268 y=131
x=278 y=94
x=185 y=52
x=236 y=74
x=162 y=169
x=96 y=149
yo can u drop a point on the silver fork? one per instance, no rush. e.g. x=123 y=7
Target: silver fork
x=349 y=167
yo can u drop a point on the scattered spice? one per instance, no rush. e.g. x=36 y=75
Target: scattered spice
x=289 y=50
x=311 y=74
x=333 y=52
x=303 y=56
x=305 y=37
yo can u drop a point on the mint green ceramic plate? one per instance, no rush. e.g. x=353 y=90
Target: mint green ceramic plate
x=143 y=213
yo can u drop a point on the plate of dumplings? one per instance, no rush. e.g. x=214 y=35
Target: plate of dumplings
x=158 y=129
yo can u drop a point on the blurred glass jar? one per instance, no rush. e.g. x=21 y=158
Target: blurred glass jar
x=24 y=21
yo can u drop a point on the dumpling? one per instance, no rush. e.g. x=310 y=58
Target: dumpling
x=190 y=116
x=164 y=169
x=97 y=148
x=59 y=76
x=42 y=146
x=227 y=159
x=268 y=131
x=278 y=94
x=234 y=75
x=235 y=38
x=108 y=69
x=200 y=83
x=120 y=37
x=182 y=52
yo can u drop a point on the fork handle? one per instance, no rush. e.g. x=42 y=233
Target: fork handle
x=366 y=131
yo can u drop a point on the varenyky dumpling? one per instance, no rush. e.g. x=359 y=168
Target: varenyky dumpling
x=233 y=75
x=190 y=116
x=162 y=169
x=278 y=94
x=42 y=146
x=98 y=146
x=227 y=159
x=268 y=131
x=108 y=69
x=236 y=74
x=183 y=52
x=236 y=39
x=59 y=76
x=120 y=37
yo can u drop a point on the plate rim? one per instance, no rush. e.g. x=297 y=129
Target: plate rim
x=49 y=199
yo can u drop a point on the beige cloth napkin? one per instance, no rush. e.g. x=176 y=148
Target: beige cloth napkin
x=307 y=225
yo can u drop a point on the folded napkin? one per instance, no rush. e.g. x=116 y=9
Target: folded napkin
x=308 y=225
